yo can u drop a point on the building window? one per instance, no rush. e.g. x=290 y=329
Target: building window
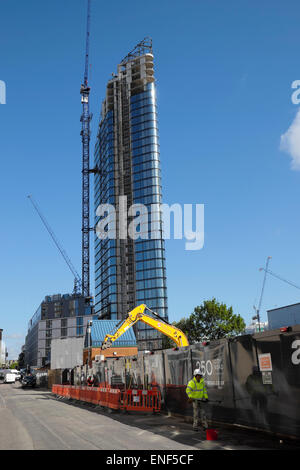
x=79 y=331
x=57 y=309
x=79 y=326
x=64 y=332
x=44 y=311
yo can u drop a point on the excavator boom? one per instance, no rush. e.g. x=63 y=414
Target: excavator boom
x=159 y=324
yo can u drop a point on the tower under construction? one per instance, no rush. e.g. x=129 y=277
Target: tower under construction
x=130 y=271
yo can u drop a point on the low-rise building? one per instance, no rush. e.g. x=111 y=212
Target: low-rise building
x=284 y=316
x=256 y=327
x=57 y=317
x=126 y=345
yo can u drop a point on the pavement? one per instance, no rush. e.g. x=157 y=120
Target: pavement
x=33 y=419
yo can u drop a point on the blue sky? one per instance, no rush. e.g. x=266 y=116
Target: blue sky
x=224 y=72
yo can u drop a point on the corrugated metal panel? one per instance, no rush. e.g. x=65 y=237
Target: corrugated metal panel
x=101 y=328
x=284 y=316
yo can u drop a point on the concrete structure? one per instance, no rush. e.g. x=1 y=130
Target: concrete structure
x=58 y=316
x=284 y=316
x=130 y=271
x=66 y=353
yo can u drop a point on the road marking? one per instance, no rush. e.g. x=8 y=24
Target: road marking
x=42 y=423
x=3 y=401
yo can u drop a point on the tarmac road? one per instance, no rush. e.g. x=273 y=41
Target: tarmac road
x=32 y=419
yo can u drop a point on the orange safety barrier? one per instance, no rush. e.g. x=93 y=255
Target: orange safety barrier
x=103 y=398
x=75 y=392
x=59 y=390
x=109 y=397
x=142 y=400
x=83 y=394
x=114 y=398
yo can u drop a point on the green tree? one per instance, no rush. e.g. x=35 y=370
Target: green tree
x=13 y=365
x=211 y=320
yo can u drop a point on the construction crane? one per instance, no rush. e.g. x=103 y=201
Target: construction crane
x=159 y=324
x=85 y=134
x=261 y=295
x=268 y=271
x=279 y=277
x=77 y=280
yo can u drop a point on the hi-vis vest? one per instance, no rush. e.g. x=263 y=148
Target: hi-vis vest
x=196 y=390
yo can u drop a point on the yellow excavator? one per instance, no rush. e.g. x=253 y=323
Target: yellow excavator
x=158 y=323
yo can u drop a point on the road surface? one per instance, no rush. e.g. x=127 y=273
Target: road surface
x=32 y=419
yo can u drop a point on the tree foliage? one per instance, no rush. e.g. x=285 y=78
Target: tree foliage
x=13 y=365
x=211 y=320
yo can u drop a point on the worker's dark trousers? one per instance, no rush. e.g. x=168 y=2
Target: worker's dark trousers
x=198 y=409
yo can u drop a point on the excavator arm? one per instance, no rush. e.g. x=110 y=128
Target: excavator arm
x=159 y=324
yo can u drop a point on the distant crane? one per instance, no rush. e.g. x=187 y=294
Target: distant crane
x=268 y=271
x=279 y=277
x=85 y=133
x=77 y=280
x=261 y=295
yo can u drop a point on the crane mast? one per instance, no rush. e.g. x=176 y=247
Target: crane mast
x=85 y=134
x=262 y=292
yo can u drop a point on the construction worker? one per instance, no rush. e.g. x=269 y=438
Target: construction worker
x=197 y=394
x=90 y=381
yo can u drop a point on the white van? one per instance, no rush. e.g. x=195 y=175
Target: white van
x=16 y=372
x=9 y=378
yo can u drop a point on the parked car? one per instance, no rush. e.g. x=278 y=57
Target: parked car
x=9 y=378
x=28 y=381
x=17 y=373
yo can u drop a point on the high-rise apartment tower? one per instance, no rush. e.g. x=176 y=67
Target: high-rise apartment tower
x=130 y=270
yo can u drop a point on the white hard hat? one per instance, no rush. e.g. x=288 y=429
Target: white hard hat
x=197 y=372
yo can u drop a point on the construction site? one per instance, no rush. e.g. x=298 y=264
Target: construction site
x=112 y=349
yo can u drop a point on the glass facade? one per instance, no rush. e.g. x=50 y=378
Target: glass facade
x=150 y=266
x=130 y=271
x=105 y=250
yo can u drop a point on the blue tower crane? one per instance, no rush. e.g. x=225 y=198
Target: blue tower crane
x=85 y=134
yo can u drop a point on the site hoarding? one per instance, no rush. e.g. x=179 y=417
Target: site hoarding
x=214 y=362
x=251 y=380
x=178 y=371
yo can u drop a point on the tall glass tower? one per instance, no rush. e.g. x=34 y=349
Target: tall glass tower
x=130 y=270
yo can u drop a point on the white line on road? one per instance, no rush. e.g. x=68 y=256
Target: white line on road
x=42 y=423
x=3 y=401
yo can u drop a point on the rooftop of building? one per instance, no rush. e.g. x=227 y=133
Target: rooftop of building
x=142 y=48
x=284 y=306
x=100 y=328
